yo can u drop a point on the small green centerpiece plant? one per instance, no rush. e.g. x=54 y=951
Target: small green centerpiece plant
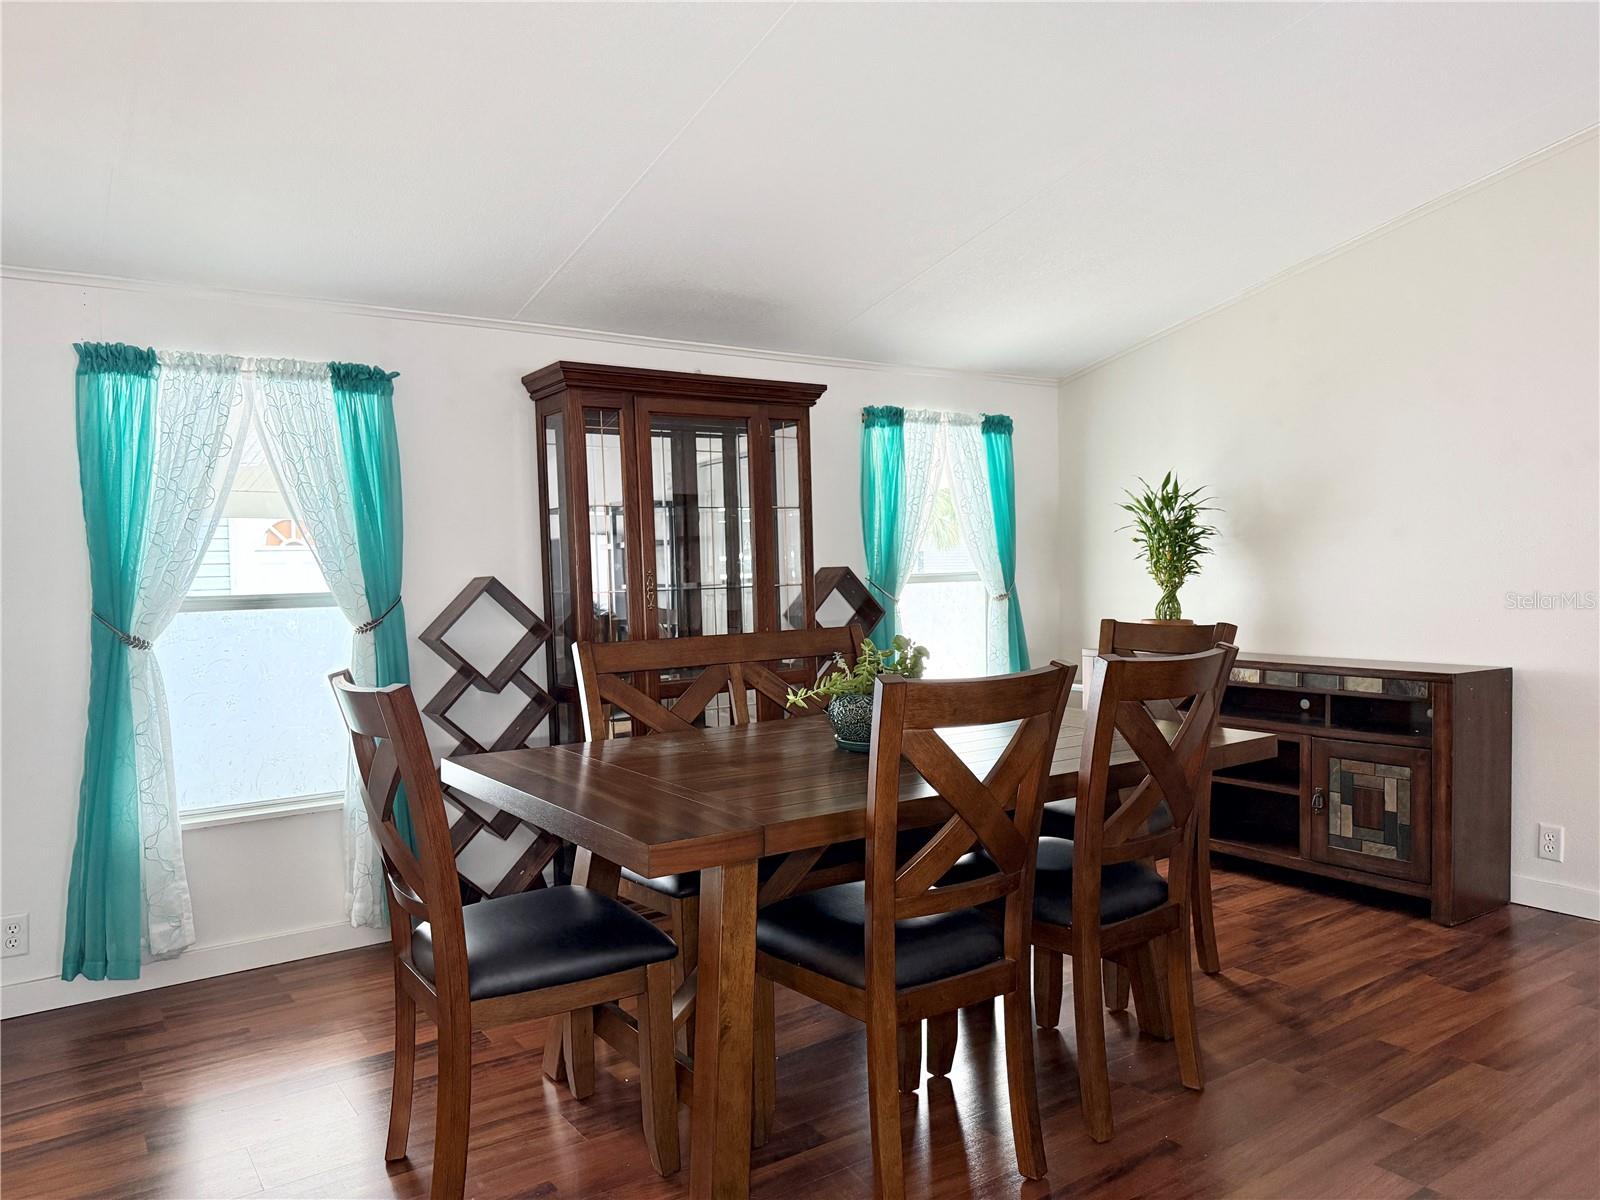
x=1171 y=535
x=848 y=689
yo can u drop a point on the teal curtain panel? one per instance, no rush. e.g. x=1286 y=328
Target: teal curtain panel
x=1003 y=500
x=363 y=399
x=116 y=400
x=882 y=493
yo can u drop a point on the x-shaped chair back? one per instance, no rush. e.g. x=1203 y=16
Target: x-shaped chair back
x=734 y=664
x=1110 y=827
x=999 y=812
x=391 y=752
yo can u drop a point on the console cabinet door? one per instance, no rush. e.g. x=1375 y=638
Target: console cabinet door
x=1370 y=805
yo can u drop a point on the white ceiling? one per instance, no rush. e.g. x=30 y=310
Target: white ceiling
x=1023 y=188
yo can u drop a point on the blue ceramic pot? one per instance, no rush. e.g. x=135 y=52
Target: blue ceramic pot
x=851 y=718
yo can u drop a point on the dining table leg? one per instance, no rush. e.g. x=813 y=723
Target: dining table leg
x=719 y=1163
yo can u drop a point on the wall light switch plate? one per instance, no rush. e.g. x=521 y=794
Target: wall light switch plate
x=1552 y=842
x=13 y=935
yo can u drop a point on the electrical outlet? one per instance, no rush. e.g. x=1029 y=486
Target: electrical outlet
x=13 y=935
x=1552 y=839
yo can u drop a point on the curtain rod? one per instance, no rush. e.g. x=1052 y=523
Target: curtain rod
x=981 y=416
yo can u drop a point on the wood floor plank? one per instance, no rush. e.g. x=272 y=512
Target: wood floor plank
x=1446 y=1099
x=1351 y=1049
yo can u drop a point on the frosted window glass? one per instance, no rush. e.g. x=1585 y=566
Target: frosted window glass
x=947 y=613
x=950 y=620
x=253 y=718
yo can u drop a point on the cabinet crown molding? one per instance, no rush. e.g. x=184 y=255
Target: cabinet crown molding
x=558 y=376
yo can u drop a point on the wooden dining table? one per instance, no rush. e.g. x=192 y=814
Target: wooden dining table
x=719 y=801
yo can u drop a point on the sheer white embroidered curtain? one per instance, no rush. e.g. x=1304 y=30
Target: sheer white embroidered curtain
x=969 y=481
x=201 y=414
x=300 y=430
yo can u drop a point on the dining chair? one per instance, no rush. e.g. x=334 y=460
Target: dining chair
x=732 y=665
x=1098 y=897
x=1145 y=639
x=535 y=954
x=610 y=676
x=613 y=678
x=906 y=944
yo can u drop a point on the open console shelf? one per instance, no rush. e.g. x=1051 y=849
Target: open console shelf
x=1396 y=775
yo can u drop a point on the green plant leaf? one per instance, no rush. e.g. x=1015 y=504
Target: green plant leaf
x=1168 y=529
x=904 y=657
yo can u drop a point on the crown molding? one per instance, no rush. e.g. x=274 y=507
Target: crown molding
x=349 y=308
x=1361 y=239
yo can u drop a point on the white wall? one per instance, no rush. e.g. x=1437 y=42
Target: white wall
x=1400 y=435
x=271 y=890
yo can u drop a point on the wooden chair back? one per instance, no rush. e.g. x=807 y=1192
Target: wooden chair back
x=1110 y=827
x=730 y=663
x=1000 y=812
x=1134 y=638
x=391 y=752
x=1137 y=639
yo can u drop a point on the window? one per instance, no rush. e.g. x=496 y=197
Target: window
x=943 y=605
x=246 y=662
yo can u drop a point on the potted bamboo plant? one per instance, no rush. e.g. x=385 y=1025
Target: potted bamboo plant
x=848 y=689
x=1171 y=534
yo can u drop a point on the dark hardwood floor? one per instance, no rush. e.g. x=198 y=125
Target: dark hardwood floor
x=1351 y=1051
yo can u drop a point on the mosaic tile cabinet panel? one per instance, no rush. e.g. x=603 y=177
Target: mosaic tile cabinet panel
x=1394 y=775
x=1370 y=805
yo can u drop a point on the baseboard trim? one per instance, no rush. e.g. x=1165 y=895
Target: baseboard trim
x=1555 y=897
x=199 y=962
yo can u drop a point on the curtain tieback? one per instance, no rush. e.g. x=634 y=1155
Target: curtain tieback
x=369 y=626
x=1002 y=596
x=880 y=589
x=127 y=639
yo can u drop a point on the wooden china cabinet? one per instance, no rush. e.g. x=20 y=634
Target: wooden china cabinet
x=672 y=504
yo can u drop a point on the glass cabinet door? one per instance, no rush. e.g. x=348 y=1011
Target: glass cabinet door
x=700 y=573
x=789 y=516
x=560 y=610
x=608 y=524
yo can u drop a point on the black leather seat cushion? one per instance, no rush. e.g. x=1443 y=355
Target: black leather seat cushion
x=686 y=884
x=547 y=937
x=1059 y=818
x=1126 y=889
x=826 y=931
